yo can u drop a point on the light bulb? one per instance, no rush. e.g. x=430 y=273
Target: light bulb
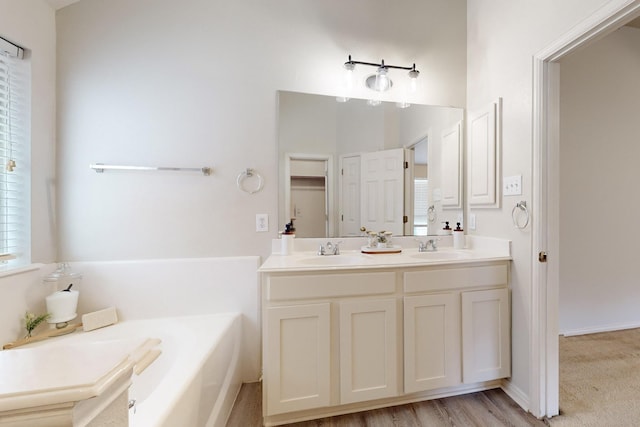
x=413 y=79
x=382 y=80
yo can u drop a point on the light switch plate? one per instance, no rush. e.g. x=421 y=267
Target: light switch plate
x=262 y=222
x=512 y=185
x=472 y=221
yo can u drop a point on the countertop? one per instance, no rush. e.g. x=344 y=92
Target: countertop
x=478 y=250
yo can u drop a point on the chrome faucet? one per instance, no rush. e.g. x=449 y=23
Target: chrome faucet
x=424 y=246
x=330 y=249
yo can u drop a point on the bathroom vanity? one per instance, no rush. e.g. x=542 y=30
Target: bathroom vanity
x=353 y=332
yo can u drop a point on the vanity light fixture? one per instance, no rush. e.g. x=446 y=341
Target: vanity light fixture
x=381 y=81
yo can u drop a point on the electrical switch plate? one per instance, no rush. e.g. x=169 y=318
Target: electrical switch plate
x=472 y=221
x=512 y=185
x=262 y=222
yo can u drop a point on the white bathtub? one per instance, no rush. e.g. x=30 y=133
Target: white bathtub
x=195 y=380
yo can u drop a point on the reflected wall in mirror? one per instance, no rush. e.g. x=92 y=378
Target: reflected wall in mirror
x=350 y=165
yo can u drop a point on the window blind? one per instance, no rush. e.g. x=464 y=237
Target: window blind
x=13 y=158
x=420 y=206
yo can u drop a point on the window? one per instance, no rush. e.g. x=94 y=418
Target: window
x=14 y=155
x=420 y=206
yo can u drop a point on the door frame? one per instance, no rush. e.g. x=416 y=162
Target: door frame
x=544 y=351
x=329 y=177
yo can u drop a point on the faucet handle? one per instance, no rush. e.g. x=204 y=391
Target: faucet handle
x=336 y=248
x=321 y=250
x=433 y=243
x=421 y=245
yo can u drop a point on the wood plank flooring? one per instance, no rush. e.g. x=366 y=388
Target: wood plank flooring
x=492 y=408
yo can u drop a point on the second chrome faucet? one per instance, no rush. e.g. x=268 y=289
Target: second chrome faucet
x=430 y=245
x=330 y=249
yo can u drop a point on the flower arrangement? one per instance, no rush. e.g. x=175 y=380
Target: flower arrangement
x=31 y=321
x=379 y=238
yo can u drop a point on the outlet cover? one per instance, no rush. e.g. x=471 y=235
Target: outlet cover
x=512 y=185
x=262 y=222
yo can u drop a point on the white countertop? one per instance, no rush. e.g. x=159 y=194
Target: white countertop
x=479 y=249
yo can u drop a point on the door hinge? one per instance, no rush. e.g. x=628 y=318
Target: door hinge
x=542 y=256
x=406 y=165
x=405 y=219
x=342 y=172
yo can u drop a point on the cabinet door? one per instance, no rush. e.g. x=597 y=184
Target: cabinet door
x=368 y=350
x=485 y=335
x=296 y=365
x=432 y=356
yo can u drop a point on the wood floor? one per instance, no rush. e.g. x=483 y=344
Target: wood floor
x=491 y=408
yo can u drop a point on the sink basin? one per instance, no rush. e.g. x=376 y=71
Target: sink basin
x=334 y=260
x=439 y=255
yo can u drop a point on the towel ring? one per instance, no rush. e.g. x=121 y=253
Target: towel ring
x=432 y=214
x=522 y=206
x=248 y=173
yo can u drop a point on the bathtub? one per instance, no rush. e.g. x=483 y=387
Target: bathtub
x=195 y=380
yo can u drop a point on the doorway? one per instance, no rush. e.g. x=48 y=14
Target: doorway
x=544 y=393
x=308 y=192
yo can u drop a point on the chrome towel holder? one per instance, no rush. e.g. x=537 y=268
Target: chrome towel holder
x=519 y=208
x=249 y=173
x=100 y=168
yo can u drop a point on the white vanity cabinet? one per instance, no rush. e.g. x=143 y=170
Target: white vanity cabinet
x=328 y=339
x=457 y=336
x=486 y=328
x=368 y=350
x=432 y=357
x=298 y=362
x=346 y=339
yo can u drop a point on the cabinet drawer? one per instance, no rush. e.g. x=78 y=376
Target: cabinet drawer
x=430 y=280
x=330 y=285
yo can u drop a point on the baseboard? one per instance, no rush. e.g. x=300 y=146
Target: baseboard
x=595 y=330
x=516 y=394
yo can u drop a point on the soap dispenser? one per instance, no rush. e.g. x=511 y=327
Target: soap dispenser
x=287 y=237
x=446 y=231
x=458 y=237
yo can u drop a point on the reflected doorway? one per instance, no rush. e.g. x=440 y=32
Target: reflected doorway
x=308 y=194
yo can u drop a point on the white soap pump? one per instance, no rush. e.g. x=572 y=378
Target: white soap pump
x=287 y=239
x=63 y=302
x=458 y=237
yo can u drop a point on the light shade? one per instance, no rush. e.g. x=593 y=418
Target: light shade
x=380 y=81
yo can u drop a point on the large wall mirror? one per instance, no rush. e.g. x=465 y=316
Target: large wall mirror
x=350 y=165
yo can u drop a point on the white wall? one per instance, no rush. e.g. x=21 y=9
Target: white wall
x=599 y=175
x=194 y=83
x=31 y=24
x=502 y=37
